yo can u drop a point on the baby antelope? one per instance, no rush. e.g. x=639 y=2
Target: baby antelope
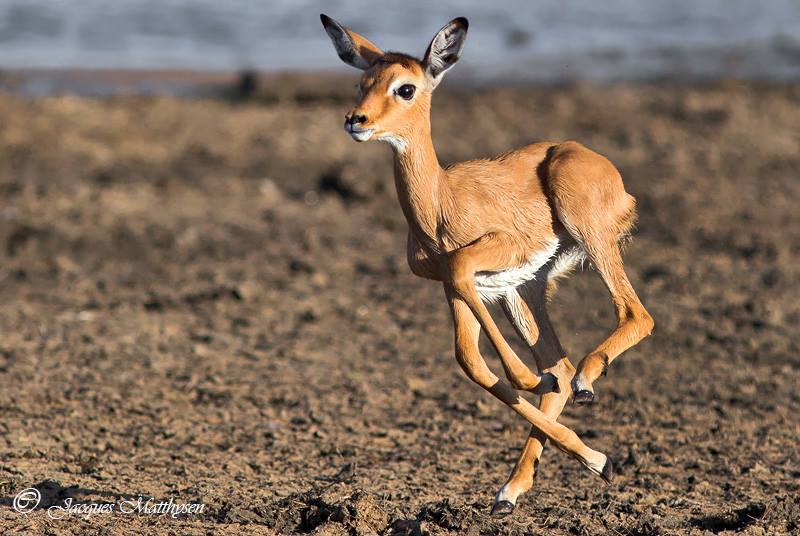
x=501 y=230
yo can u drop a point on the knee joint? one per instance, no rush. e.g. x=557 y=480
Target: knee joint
x=647 y=323
x=639 y=317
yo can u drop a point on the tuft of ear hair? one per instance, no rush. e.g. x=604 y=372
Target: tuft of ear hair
x=445 y=48
x=353 y=49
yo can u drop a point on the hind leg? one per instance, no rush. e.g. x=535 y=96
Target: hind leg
x=633 y=321
x=528 y=315
x=592 y=204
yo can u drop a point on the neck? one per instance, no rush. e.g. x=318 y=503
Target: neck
x=418 y=179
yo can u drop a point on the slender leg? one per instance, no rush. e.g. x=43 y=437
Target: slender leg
x=516 y=370
x=494 y=252
x=528 y=315
x=467 y=330
x=633 y=321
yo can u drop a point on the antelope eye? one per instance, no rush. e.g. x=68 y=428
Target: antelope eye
x=406 y=91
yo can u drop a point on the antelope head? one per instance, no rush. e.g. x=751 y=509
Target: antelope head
x=395 y=89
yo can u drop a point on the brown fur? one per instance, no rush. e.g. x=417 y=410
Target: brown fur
x=495 y=214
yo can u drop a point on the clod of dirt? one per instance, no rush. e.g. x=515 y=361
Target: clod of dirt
x=337 y=510
x=783 y=514
x=405 y=527
x=732 y=520
x=232 y=513
x=369 y=516
x=211 y=294
x=645 y=527
x=331 y=529
x=446 y=515
x=19 y=236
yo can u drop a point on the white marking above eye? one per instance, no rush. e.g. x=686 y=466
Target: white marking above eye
x=394 y=86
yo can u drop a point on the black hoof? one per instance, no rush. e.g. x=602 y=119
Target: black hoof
x=584 y=396
x=556 y=387
x=502 y=508
x=608 y=471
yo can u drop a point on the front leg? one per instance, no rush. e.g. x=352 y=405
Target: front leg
x=494 y=252
x=467 y=330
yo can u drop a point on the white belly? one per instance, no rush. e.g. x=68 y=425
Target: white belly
x=492 y=285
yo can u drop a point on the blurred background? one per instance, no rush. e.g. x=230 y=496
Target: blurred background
x=513 y=42
x=204 y=293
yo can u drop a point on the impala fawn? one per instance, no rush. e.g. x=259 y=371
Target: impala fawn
x=501 y=229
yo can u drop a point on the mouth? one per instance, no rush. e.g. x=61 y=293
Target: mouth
x=359 y=134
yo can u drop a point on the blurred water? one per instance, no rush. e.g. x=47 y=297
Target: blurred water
x=542 y=40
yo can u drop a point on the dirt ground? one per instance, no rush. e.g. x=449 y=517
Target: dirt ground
x=208 y=301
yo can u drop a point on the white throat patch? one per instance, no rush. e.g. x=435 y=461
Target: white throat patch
x=399 y=144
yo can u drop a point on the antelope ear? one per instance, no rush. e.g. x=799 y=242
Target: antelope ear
x=445 y=49
x=352 y=48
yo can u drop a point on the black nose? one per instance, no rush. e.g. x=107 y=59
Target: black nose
x=357 y=118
